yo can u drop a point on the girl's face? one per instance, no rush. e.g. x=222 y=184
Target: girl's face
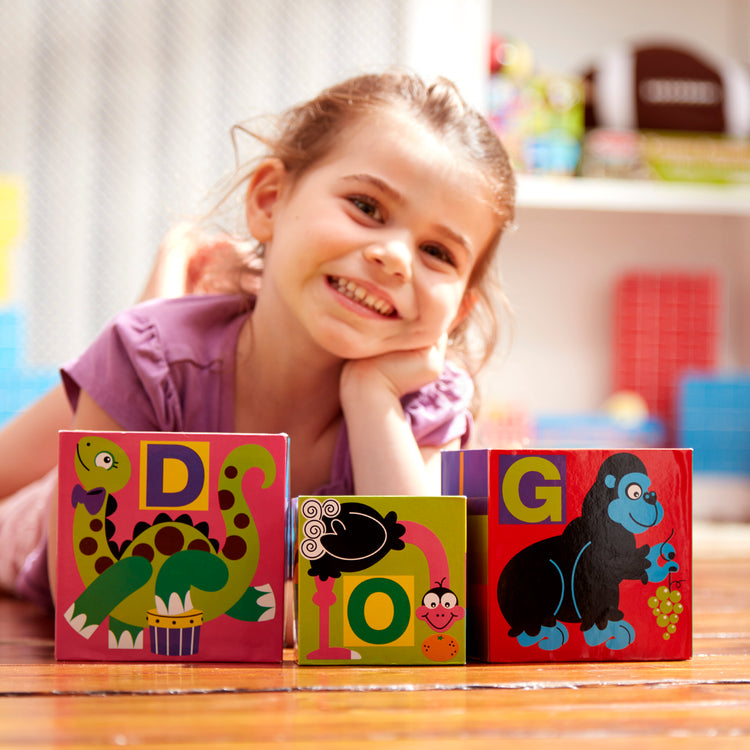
x=371 y=249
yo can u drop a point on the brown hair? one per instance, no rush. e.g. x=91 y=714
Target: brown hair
x=307 y=132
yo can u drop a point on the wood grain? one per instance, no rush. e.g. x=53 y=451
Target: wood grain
x=613 y=705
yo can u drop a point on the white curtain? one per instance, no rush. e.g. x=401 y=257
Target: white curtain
x=115 y=116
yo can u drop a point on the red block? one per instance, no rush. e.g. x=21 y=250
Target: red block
x=665 y=324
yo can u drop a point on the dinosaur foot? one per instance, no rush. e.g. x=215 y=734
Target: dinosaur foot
x=257 y=604
x=124 y=635
x=78 y=620
x=548 y=638
x=267 y=600
x=616 y=635
x=126 y=641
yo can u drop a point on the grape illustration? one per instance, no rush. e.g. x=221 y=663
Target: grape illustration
x=666 y=606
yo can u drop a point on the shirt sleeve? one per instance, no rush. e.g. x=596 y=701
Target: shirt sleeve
x=440 y=412
x=126 y=372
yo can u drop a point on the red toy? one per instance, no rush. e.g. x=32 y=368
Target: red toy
x=576 y=555
x=665 y=325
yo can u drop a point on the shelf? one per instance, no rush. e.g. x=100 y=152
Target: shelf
x=588 y=194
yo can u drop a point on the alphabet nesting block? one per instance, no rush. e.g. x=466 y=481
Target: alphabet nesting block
x=170 y=546
x=381 y=580
x=576 y=555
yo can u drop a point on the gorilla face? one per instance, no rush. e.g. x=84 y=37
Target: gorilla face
x=634 y=507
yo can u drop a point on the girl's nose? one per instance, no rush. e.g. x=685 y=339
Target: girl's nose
x=393 y=257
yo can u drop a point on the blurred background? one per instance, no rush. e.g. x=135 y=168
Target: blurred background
x=629 y=123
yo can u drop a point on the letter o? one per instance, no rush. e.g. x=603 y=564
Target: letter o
x=355 y=611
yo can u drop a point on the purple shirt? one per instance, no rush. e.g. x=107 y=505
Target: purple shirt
x=168 y=366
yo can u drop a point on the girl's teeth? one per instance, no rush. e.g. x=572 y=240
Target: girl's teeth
x=358 y=294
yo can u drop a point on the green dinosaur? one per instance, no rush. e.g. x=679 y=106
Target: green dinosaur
x=171 y=566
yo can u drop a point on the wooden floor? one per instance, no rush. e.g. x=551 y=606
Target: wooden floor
x=704 y=701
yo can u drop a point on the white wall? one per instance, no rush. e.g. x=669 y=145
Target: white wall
x=560 y=269
x=116 y=115
x=567 y=36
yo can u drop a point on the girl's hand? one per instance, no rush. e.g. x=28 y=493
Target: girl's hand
x=386 y=459
x=399 y=372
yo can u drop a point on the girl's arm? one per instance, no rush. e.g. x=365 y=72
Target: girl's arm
x=88 y=416
x=28 y=444
x=185 y=264
x=386 y=459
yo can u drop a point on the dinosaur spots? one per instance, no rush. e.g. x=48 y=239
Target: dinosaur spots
x=234 y=548
x=200 y=545
x=230 y=472
x=226 y=499
x=88 y=546
x=102 y=563
x=143 y=550
x=169 y=540
x=96 y=525
x=241 y=520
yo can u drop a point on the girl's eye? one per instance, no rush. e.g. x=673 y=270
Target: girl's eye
x=367 y=206
x=440 y=253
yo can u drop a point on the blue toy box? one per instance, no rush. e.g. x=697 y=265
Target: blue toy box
x=714 y=420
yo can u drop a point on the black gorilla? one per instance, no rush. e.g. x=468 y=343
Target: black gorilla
x=575 y=577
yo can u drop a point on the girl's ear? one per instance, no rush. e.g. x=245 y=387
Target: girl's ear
x=467 y=305
x=263 y=192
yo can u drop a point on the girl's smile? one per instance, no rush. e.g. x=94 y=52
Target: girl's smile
x=362 y=297
x=370 y=250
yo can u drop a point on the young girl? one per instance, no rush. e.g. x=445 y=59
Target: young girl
x=375 y=216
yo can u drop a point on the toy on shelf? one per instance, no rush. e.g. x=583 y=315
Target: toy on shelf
x=665 y=325
x=669 y=88
x=170 y=546
x=538 y=115
x=596 y=430
x=613 y=153
x=714 y=420
x=623 y=421
x=576 y=555
x=666 y=112
x=674 y=157
x=505 y=426
x=381 y=580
